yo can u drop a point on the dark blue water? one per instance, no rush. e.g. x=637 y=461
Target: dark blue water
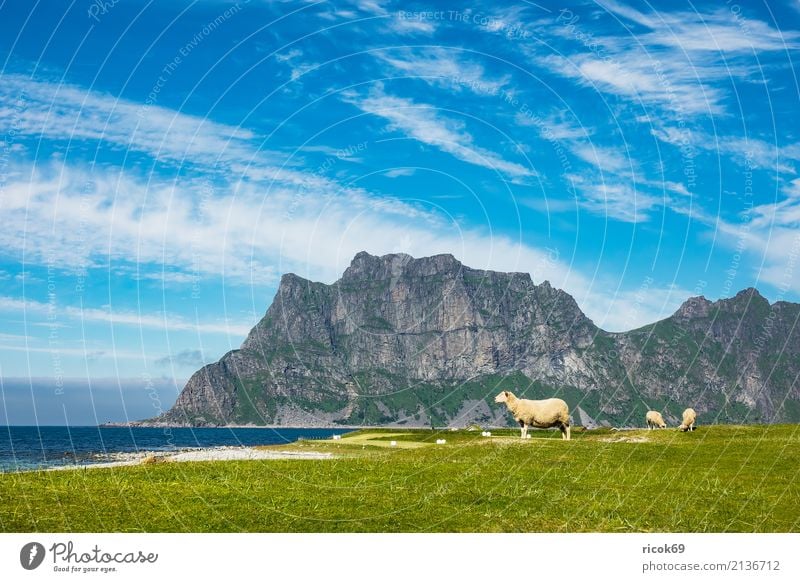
x=31 y=447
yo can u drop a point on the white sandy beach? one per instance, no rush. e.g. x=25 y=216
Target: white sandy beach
x=194 y=455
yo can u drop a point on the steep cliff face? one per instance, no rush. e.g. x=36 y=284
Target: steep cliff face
x=399 y=340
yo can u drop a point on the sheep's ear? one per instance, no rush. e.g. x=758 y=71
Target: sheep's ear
x=505 y=392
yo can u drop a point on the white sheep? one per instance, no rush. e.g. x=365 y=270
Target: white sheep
x=689 y=416
x=552 y=412
x=654 y=420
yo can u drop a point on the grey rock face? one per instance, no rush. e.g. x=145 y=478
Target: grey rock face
x=407 y=341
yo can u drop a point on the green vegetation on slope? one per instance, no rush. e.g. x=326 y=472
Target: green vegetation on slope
x=716 y=479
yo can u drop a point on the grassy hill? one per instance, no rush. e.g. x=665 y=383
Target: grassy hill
x=716 y=479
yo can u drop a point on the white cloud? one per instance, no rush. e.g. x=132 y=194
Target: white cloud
x=757 y=153
x=770 y=234
x=375 y=7
x=240 y=234
x=167 y=321
x=66 y=112
x=614 y=199
x=409 y=26
x=76 y=217
x=611 y=187
x=605 y=159
x=288 y=55
x=246 y=237
x=677 y=188
x=426 y=125
x=624 y=310
x=683 y=63
x=649 y=79
x=397 y=172
x=442 y=67
x=73 y=115
x=723 y=30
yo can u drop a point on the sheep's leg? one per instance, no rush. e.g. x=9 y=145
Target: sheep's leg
x=564 y=432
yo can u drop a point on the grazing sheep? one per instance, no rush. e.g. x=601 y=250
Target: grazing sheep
x=552 y=412
x=654 y=420
x=689 y=416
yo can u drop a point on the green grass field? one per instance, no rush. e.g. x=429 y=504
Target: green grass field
x=716 y=479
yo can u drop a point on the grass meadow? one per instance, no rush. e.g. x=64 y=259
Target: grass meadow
x=715 y=479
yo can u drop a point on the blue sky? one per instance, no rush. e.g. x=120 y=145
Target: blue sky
x=162 y=163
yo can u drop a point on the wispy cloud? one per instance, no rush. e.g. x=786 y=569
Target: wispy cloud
x=408 y=26
x=605 y=159
x=184 y=359
x=397 y=172
x=722 y=30
x=609 y=183
x=73 y=116
x=619 y=200
x=428 y=125
x=626 y=309
x=167 y=321
x=770 y=235
x=744 y=151
x=644 y=78
x=245 y=238
x=68 y=113
x=442 y=67
x=674 y=62
x=238 y=234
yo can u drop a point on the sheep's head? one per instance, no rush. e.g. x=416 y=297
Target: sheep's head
x=502 y=397
x=662 y=425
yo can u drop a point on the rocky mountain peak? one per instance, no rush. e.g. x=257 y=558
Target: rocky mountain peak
x=694 y=308
x=365 y=265
x=747 y=301
x=411 y=341
x=290 y=279
x=749 y=294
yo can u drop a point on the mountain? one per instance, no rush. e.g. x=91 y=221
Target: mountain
x=415 y=342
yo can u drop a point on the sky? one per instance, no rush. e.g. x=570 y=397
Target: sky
x=163 y=163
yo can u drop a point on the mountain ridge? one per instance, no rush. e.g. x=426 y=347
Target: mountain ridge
x=404 y=341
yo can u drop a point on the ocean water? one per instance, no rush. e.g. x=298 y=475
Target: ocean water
x=31 y=447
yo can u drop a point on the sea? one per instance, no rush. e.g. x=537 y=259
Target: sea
x=24 y=448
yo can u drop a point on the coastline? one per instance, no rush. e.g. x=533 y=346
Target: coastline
x=141 y=424
x=203 y=454
x=237 y=426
